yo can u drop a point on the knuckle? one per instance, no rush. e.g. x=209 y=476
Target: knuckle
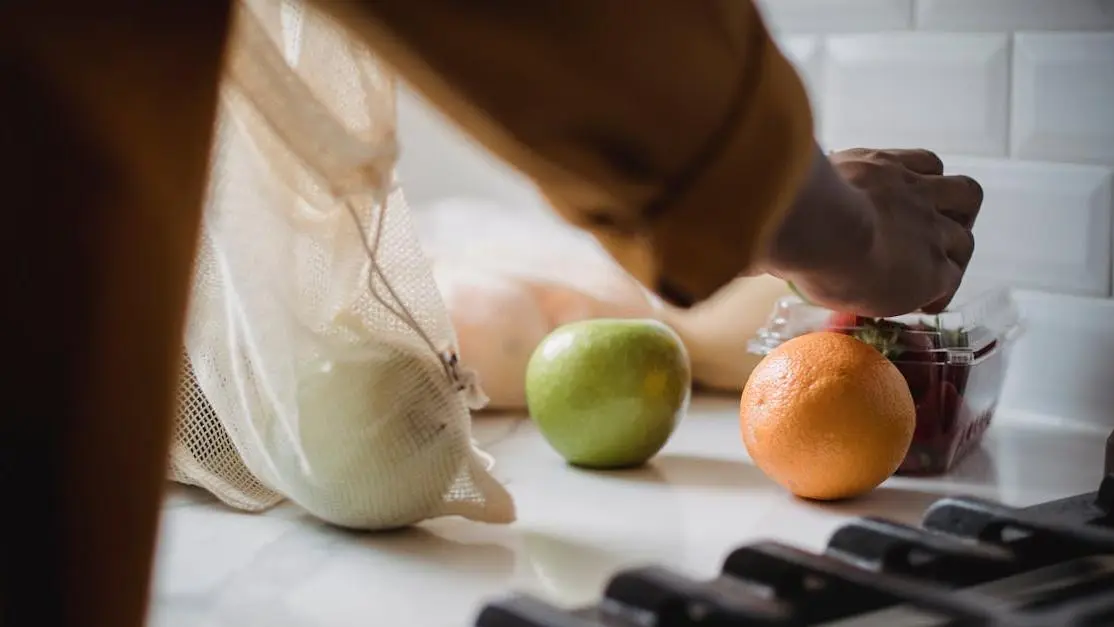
x=849 y=155
x=962 y=246
x=939 y=248
x=861 y=173
x=977 y=193
x=968 y=189
x=933 y=159
x=874 y=168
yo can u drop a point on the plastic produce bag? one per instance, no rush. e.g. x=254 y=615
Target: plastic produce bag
x=321 y=365
x=510 y=275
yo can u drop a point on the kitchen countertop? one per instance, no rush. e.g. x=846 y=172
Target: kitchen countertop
x=696 y=501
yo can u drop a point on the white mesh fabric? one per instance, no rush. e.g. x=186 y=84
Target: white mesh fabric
x=320 y=361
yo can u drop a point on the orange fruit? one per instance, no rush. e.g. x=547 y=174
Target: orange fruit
x=827 y=416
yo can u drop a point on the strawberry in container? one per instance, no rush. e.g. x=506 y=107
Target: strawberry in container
x=955 y=364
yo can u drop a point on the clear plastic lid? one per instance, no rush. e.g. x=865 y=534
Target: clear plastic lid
x=960 y=335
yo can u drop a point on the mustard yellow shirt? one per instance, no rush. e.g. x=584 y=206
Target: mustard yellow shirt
x=674 y=130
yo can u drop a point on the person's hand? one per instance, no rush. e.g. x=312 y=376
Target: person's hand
x=879 y=233
x=924 y=220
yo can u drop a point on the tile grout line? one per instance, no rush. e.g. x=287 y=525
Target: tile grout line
x=1011 y=46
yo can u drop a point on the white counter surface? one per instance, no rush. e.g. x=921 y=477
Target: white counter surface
x=699 y=499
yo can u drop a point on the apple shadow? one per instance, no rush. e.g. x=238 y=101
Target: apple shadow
x=647 y=473
x=695 y=471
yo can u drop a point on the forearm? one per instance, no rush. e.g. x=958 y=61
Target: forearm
x=824 y=234
x=677 y=133
x=108 y=118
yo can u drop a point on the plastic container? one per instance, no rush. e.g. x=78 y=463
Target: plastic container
x=955 y=364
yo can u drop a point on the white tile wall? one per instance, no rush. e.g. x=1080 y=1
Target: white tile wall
x=1063 y=97
x=949 y=91
x=807 y=54
x=1020 y=93
x=834 y=16
x=1042 y=225
x=1063 y=364
x=438 y=161
x=1007 y=15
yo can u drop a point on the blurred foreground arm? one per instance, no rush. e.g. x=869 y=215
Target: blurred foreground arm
x=107 y=113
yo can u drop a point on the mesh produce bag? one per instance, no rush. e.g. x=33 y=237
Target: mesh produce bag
x=320 y=365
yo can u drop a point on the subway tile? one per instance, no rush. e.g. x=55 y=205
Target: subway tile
x=837 y=16
x=944 y=92
x=1043 y=225
x=1063 y=97
x=1006 y=15
x=806 y=52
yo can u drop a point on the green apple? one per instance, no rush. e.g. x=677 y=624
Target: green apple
x=608 y=393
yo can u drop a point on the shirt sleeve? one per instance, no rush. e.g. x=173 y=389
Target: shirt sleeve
x=675 y=131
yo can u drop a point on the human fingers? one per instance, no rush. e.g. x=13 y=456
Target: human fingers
x=953 y=277
x=960 y=248
x=957 y=196
x=917 y=160
x=959 y=242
